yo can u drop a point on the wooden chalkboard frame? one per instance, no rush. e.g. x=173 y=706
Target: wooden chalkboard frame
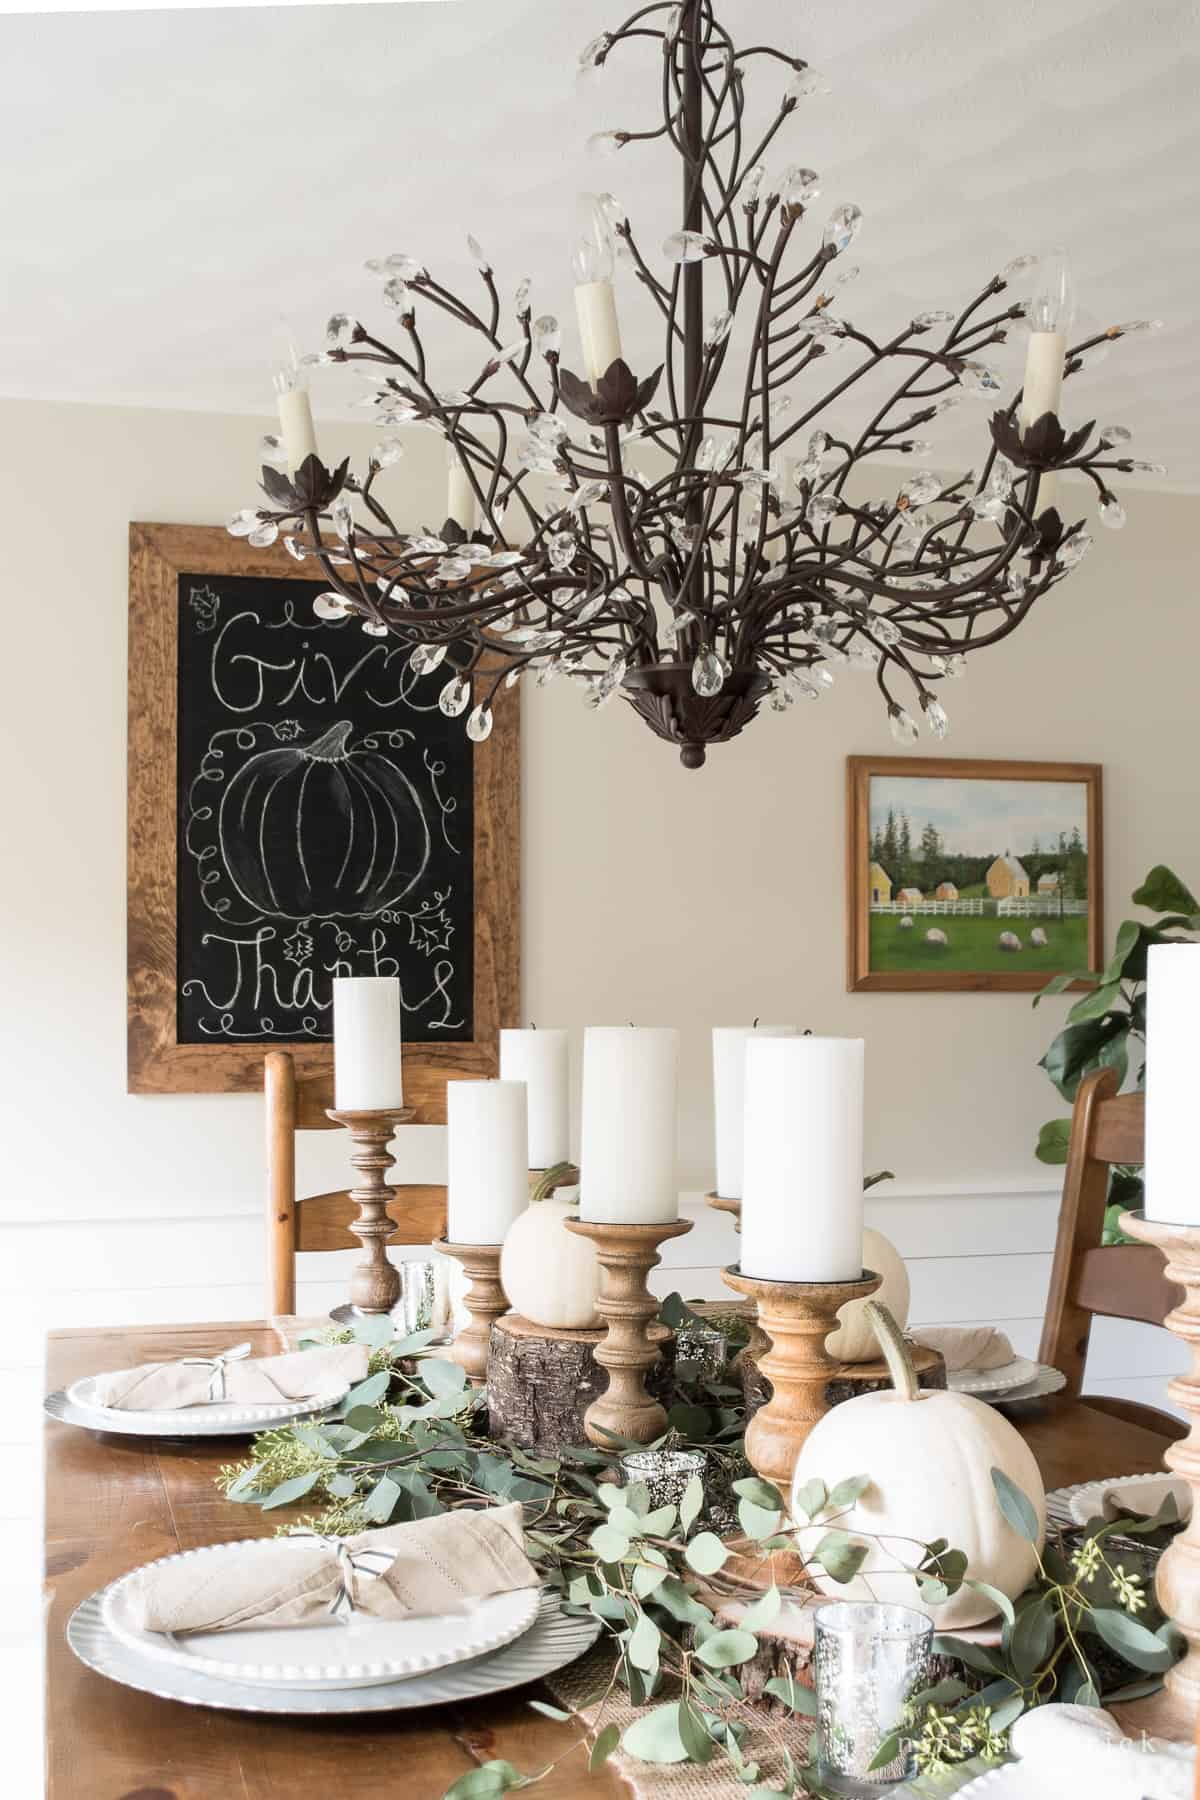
x=157 y=1062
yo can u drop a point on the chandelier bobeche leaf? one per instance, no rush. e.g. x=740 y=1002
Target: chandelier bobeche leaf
x=704 y=554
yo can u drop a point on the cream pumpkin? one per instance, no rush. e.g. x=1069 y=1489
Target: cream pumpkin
x=550 y=1275
x=929 y=1456
x=854 y=1340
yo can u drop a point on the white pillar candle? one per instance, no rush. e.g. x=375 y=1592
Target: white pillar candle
x=802 y=1206
x=366 y=1043
x=460 y=495
x=540 y=1060
x=599 y=330
x=1042 y=393
x=487 y=1169
x=1172 y=1008
x=729 y=1097
x=628 y=1144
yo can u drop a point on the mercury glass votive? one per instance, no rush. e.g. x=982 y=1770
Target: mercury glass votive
x=868 y=1662
x=665 y=1473
x=424 y=1303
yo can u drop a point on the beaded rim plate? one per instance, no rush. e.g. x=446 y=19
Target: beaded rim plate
x=1017 y=1373
x=553 y=1640
x=1007 y=1779
x=1085 y=1501
x=1046 y=1381
x=363 y=1652
x=216 y=1419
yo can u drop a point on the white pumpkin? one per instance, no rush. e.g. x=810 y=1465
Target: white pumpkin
x=930 y=1456
x=550 y=1274
x=854 y=1340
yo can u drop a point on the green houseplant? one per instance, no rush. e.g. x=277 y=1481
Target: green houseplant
x=1106 y=1027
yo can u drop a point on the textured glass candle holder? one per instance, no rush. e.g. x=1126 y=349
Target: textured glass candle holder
x=868 y=1661
x=424 y=1303
x=666 y=1473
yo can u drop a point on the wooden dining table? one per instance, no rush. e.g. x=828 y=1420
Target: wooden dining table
x=113 y=1503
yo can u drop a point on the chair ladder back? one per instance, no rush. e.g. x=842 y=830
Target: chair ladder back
x=279 y=1079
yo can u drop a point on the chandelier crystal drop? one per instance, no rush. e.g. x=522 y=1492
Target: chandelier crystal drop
x=735 y=559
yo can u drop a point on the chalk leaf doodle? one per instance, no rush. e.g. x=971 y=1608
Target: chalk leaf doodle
x=323 y=828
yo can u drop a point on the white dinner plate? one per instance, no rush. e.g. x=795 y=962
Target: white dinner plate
x=1144 y=1493
x=1046 y=1381
x=555 y=1639
x=1004 y=1783
x=362 y=1652
x=992 y=1381
x=211 y=1418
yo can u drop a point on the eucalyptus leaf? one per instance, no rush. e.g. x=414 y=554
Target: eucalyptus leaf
x=606 y=1742
x=764 y=1611
x=810 y=1498
x=1015 y=1506
x=726 y=1649
x=442 y=1378
x=367 y=1393
x=488 y=1779
x=375 y=1329
x=759 y=1493
x=649 y=1574
x=692 y=1504
x=381 y=1502
x=655 y=1737
x=609 y=1544
x=1130 y=1640
x=794 y=1694
x=848 y=1491
x=706 y=1553
x=550 y=1712
x=695 y=1739
x=644 y=1640
x=1000 y=1601
x=839 y=1556
x=756 y=1523
x=295 y=1489
x=660 y=1522
x=681 y=1603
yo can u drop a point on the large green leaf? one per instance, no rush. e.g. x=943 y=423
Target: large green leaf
x=1054 y=1141
x=654 y=1736
x=1162 y=891
x=1131 y=1640
x=706 y=1553
x=1101 y=1000
x=1079 y=1049
x=1123 y=944
x=726 y=1649
x=1058 y=984
x=1015 y=1506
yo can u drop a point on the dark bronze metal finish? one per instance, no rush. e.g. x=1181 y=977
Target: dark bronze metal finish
x=624 y=580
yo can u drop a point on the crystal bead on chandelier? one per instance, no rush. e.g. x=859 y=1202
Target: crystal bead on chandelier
x=692 y=541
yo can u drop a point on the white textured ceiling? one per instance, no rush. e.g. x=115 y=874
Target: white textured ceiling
x=176 y=180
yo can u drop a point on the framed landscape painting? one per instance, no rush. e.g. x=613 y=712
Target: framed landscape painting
x=976 y=875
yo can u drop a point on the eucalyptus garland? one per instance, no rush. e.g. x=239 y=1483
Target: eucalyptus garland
x=410 y=1441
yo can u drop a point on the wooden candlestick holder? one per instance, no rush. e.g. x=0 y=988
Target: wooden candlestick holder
x=374 y=1284
x=1177 y=1580
x=797 y=1316
x=721 y=1203
x=626 y=1254
x=758 y=1344
x=485 y=1301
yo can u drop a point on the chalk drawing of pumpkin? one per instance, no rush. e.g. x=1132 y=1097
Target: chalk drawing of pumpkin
x=321 y=830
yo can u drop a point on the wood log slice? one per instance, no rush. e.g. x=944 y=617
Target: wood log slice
x=541 y=1381
x=850 y=1379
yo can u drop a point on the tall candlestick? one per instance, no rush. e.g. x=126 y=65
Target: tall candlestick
x=627 y=1151
x=487 y=1162
x=595 y=302
x=540 y=1060
x=729 y=1097
x=1172 y=999
x=367 y=1043
x=1050 y=316
x=460 y=495
x=802 y=1205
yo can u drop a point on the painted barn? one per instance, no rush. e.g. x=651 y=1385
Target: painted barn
x=1048 y=883
x=909 y=897
x=945 y=890
x=880 y=883
x=1007 y=879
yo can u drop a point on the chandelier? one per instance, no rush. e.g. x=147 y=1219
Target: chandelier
x=693 y=536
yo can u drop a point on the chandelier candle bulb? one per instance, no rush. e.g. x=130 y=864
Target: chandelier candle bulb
x=1172 y=1000
x=802 y=1203
x=367 y=1043
x=1051 y=315
x=487 y=1168
x=460 y=495
x=729 y=1098
x=540 y=1060
x=599 y=330
x=628 y=1144
x=296 y=426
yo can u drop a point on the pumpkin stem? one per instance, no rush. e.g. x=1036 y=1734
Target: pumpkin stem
x=331 y=747
x=561 y=1175
x=891 y=1342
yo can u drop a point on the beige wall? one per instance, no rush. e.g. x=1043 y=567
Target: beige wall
x=651 y=893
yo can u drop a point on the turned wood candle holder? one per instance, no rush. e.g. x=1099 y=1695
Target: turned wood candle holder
x=758 y=1344
x=374 y=1284
x=626 y=1254
x=797 y=1317
x=1177 y=1580
x=485 y=1301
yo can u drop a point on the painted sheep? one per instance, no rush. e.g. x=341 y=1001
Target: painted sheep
x=1008 y=940
x=906 y=923
x=1038 y=938
x=937 y=938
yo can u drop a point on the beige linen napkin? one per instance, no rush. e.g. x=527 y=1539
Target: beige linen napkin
x=1066 y=1749
x=158 y=1387
x=439 y=1565
x=967 y=1346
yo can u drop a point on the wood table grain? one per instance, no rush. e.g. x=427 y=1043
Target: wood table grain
x=112 y=1503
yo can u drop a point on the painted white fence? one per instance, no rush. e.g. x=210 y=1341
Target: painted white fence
x=1040 y=906
x=932 y=906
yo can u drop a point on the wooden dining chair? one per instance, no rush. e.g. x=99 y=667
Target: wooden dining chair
x=322 y=1221
x=1120 y=1281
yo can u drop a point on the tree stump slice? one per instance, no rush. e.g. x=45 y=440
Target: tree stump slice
x=851 y=1378
x=542 y=1380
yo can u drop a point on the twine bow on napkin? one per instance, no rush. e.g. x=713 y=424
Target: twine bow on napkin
x=216 y=1367
x=351 y=1564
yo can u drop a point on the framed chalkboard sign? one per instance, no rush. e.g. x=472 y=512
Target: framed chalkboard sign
x=300 y=808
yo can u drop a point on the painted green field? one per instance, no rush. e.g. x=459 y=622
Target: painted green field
x=973 y=943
